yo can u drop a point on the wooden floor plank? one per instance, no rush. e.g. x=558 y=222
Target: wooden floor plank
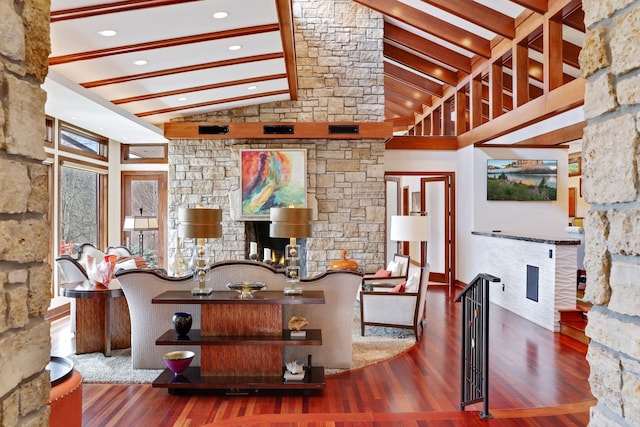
x=538 y=378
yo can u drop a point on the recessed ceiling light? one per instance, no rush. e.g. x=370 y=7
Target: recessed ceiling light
x=74 y=117
x=252 y=87
x=235 y=47
x=182 y=98
x=220 y=15
x=141 y=62
x=107 y=33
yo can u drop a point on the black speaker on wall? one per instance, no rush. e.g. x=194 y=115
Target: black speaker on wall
x=278 y=129
x=344 y=129
x=213 y=130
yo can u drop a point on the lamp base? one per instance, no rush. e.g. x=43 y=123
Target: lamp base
x=292 y=290
x=201 y=291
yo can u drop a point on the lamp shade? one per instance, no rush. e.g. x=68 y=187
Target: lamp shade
x=290 y=222
x=409 y=228
x=199 y=223
x=140 y=223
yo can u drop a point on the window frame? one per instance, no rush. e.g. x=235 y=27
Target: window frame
x=101 y=196
x=103 y=142
x=125 y=150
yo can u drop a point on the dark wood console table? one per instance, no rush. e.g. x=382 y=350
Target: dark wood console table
x=241 y=342
x=102 y=318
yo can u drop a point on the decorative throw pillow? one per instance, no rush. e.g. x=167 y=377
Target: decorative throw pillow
x=400 y=287
x=394 y=268
x=413 y=282
x=403 y=264
x=382 y=273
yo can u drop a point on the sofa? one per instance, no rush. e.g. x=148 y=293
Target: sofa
x=334 y=318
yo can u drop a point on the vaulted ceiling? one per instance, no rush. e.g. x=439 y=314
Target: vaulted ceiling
x=172 y=58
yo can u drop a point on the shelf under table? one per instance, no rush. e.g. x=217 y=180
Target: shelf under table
x=195 y=337
x=193 y=380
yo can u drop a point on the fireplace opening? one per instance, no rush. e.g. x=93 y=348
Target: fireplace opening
x=258 y=231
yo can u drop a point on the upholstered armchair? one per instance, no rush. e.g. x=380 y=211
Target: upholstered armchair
x=396 y=307
x=397 y=271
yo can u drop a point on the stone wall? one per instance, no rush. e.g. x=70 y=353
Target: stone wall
x=24 y=232
x=610 y=60
x=340 y=78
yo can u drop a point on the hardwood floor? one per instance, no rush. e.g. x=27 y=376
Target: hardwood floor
x=537 y=378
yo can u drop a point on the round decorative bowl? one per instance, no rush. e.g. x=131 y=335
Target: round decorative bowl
x=178 y=361
x=246 y=289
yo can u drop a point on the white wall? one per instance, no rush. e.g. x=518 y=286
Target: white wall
x=473 y=211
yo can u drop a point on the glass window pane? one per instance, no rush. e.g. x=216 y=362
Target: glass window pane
x=81 y=141
x=78 y=206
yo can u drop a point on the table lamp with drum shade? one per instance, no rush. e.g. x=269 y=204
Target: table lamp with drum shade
x=291 y=223
x=200 y=224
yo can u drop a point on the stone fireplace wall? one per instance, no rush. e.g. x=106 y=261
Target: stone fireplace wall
x=24 y=230
x=340 y=78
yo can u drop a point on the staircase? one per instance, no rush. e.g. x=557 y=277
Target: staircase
x=574 y=322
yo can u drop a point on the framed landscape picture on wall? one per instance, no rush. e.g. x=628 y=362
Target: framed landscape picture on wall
x=522 y=179
x=272 y=178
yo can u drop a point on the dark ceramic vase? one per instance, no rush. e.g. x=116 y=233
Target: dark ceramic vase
x=182 y=322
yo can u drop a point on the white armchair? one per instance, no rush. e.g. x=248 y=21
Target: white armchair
x=384 y=307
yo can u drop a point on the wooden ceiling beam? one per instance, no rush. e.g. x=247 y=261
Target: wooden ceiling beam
x=399 y=99
x=178 y=70
x=478 y=14
x=160 y=44
x=427 y=48
x=407 y=91
x=248 y=81
x=400 y=110
x=431 y=25
x=104 y=9
x=441 y=143
x=417 y=63
x=412 y=79
x=285 y=20
x=555 y=102
x=539 y=6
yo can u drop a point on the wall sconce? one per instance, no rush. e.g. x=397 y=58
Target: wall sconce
x=140 y=223
x=200 y=224
x=291 y=223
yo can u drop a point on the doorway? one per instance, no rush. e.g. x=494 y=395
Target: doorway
x=436 y=194
x=146 y=191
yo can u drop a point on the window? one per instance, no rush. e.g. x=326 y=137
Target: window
x=82 y=142
x=81 y=204
x=144 y=153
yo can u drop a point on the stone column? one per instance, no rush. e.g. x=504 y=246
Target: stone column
x=610 y=61
x=24 y=232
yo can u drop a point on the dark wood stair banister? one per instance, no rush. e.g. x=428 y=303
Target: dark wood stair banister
x=474 y=358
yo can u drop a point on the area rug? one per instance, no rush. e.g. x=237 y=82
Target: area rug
x=377 y=345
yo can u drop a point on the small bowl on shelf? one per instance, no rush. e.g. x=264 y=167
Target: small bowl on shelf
x=246 y=289
x=178 y=361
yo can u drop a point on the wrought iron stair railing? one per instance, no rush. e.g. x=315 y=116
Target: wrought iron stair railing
x=475 y=342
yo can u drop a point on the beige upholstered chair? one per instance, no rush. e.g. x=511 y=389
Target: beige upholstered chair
x=384 y=307
x=400 y=264
x=72 y=270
